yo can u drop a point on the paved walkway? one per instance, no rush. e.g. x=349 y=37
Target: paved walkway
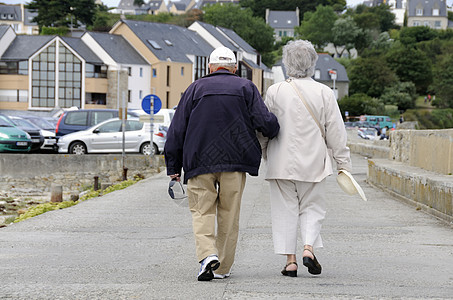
x=138 y=244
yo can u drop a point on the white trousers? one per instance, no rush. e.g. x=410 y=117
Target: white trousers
x=295 y=203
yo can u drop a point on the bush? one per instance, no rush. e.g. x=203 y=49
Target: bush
x=361 y=104
x=431 y=119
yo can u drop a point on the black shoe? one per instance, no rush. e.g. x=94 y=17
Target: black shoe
x=289 y=273
x=312 y=264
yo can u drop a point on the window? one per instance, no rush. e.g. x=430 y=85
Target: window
x=168 y=43
x=426 y=23
x=133 y=125
x=95 y=98
x=182 y=71
x=77 y=118
x=435 y=12
x=154 y=44
x=94 y=71
x=416 y=23
x=437 y=24
x=168 y=99
x=154 y=73
x=43 y=78
x=284 y=33
x=113 y=126
x=141 y=72
x=129 y=96
x=140 y=94
x=280 y=33
x=100 y=116
x=200 y=66
x=419 y=12
x=317 y=74
x=129 y=71
x=70 y=78
x=168 y=75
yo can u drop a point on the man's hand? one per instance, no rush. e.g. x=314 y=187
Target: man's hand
x=178 y=178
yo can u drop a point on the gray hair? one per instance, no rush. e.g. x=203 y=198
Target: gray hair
x=229 y=66
x=299 y=58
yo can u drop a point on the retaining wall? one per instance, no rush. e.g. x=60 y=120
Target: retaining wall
x=34 y=173
x=418 y=170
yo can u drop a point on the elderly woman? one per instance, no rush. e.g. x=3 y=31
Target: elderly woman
x=298 y=159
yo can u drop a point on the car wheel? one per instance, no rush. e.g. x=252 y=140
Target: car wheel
x=146 y=149
x=78 y=148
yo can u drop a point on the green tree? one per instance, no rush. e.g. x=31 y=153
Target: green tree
x=345 y=32
x=443 y=82
x=401 y=94
x=252 y=29
x=411 y=64
x=317 y=26
x=361 y=104
x=370 y=76
x=413 y=35
x=55 y=13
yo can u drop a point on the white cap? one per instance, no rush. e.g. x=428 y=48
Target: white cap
x=222 y=55
x=349 y=185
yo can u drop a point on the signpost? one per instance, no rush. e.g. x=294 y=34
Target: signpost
x=151 y=104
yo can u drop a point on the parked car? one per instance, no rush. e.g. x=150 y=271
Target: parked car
x=358 y=124
x=49 y=136
x=81 y=119
x=367 y=133
x=37 y=139
x=107 y=137
x=41 y=122
x=13 y=139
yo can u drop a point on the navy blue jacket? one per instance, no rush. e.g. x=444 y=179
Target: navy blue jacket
x=213 y=129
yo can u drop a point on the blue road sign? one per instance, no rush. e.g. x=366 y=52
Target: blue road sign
x=146 y=103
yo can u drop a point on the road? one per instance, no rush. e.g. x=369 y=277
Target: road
x=137 y=244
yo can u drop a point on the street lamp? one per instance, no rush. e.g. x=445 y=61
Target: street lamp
x=333 y=76
x=72 y=9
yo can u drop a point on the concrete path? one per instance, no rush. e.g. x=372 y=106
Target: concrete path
x=137 y=244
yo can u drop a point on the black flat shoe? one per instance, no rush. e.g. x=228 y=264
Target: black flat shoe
x=312 y=264
x=289 y=273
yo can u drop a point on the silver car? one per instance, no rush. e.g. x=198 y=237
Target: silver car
x=107 y=137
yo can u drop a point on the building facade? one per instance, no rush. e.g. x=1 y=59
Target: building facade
x=283 y=22
x=427 y=13
x=20 y=19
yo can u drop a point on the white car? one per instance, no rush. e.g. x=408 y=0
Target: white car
x=107 y=137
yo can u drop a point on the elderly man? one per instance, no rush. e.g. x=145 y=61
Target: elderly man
x=212 y=136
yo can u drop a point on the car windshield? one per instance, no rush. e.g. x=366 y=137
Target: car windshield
x=4 y=123
x=41 y=123
x=24 y=123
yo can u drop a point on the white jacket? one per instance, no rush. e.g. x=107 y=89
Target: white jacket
x=299 y=151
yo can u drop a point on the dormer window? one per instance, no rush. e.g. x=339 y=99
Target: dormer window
x=3 y=16
x=435 y=12
x=275 y=21
x=289 y=21
x=168 y=43
x=11 y=16
x=419 y=12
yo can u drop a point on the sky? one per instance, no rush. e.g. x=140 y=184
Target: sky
x=114 y=3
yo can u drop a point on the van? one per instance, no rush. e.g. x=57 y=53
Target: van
x=382 y=121
x=81 y=119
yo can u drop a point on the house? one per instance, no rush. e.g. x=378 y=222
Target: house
x=398 y=8
x=178 y=56
x=117 y=54
x=20 y=18
x=327 y=71
x=201 y=3
x=283 y=22
x=51 y=72
x=249 y=60
x=180 y=7
x=427 y=13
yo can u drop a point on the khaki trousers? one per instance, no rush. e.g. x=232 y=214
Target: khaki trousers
x=216 y=196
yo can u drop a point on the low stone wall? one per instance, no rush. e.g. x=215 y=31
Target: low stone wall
x=427 y=190
x=431 y=150
x=34 y=173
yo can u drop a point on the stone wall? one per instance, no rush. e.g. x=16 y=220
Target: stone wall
x=431 y=150
x=34 y=173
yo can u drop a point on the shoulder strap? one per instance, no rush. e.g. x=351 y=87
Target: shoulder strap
x=307 y=106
